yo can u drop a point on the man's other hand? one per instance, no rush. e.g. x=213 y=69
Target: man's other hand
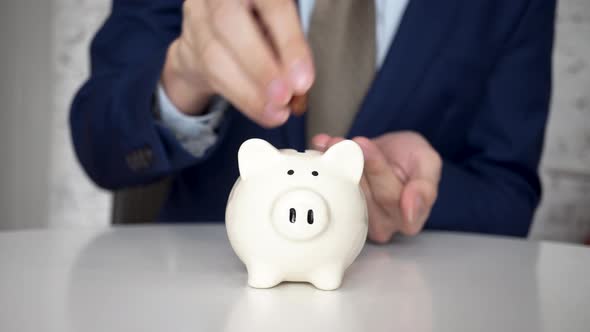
x=400 y=181
x=252 y=52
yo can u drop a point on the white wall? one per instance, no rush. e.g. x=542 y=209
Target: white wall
x=565 y=210
x=26 y=127
x=75 y=200
x=25 y=112
x=43 y=59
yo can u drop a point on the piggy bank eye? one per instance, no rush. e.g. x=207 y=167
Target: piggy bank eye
x=290 y=172
x=315 y=173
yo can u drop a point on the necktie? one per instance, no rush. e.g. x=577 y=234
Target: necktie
x=342 y=38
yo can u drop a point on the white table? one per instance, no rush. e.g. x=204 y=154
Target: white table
x=186 y=278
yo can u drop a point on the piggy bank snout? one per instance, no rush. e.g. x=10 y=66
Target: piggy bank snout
x=300 y=214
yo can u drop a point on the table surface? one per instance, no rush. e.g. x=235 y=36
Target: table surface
x=187 y=278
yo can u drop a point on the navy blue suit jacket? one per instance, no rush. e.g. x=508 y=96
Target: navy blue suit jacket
x=473 y=77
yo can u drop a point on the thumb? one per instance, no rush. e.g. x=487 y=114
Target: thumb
x=417 y=199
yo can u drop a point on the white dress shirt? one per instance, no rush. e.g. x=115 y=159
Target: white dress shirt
x=197 y=133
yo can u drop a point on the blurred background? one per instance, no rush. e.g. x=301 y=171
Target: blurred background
x=44 y=59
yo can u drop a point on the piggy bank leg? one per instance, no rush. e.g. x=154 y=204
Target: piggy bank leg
x=327 y=278
x=262 y=276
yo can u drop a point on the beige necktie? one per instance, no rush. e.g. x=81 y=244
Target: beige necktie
x=342 y=38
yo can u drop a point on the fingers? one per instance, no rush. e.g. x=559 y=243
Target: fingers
x=252 y=52
x=417 y=200
x=227 y=74
x=381 y=225
x=239 y=63
x=282 y=21
x=237 y=29
x=385 y=185
x=224 y=74
x=400 y=181
x=395 y=201
x=422 y=165
x=382 y=190
x=427 y=164
x=273 y=52
x=320 y=142
x=412 y=153
x=323 y=142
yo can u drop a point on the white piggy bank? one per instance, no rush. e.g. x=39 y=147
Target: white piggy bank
x=297 y=216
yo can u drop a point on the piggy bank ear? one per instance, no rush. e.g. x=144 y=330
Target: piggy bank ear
x=256 y=155
x=347 y=159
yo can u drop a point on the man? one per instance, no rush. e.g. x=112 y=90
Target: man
x=421 y=85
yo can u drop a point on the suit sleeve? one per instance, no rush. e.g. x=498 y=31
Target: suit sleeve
x=114 y=130
x=495 y=187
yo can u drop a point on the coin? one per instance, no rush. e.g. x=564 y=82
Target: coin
x=298 y=104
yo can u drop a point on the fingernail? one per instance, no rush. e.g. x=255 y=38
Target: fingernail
x=417 y=211
x=320 y=145
x=278 y=91
x=301 y=76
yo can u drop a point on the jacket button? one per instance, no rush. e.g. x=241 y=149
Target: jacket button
x=140 y=159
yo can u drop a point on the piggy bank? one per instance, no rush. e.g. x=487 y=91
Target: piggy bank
x=297 y=216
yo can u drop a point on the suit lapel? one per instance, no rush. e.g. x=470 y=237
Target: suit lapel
x=420 y=36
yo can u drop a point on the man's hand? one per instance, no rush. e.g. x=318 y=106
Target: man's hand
x=252 y=52
x=400 y=181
